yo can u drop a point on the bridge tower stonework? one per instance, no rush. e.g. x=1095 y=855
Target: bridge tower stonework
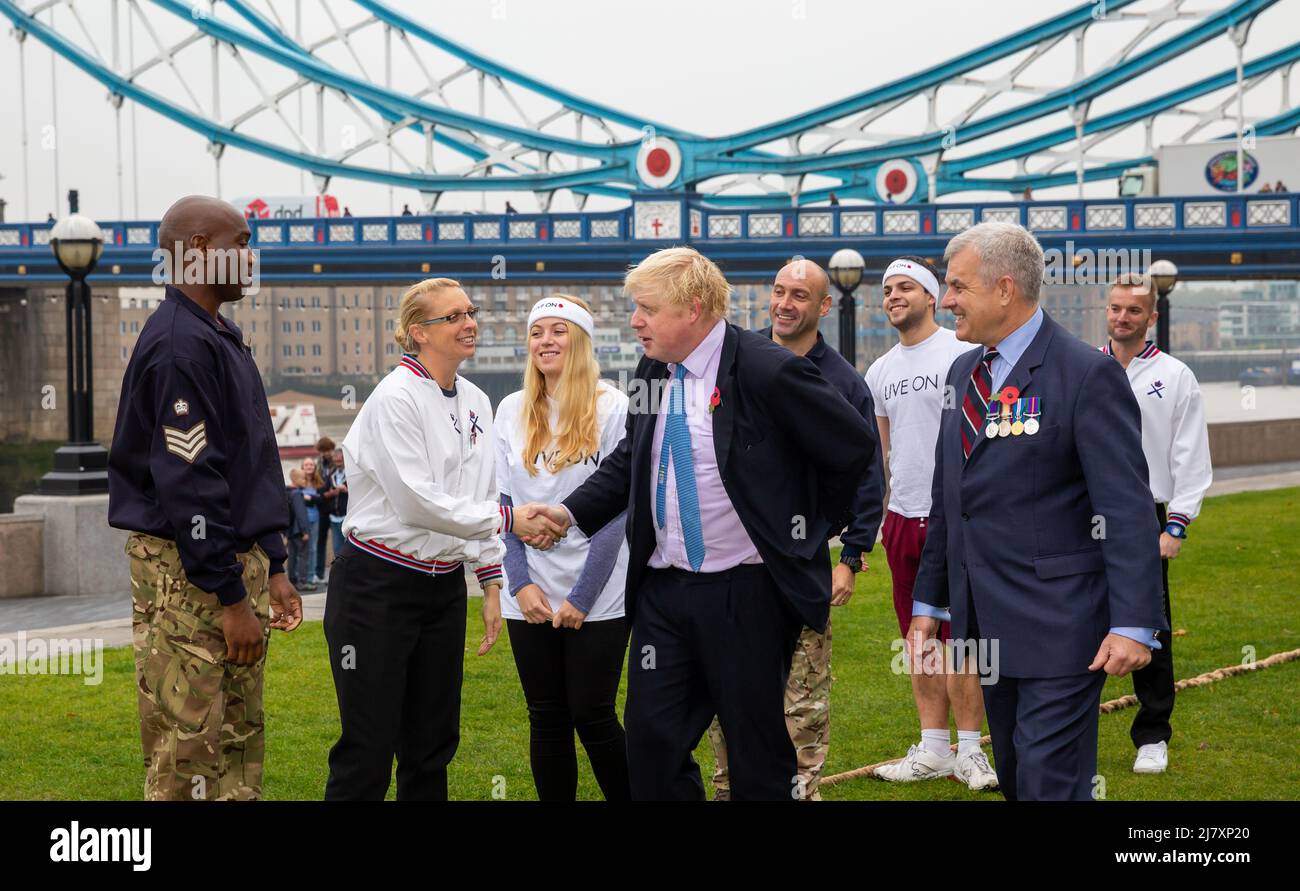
x=33 y=357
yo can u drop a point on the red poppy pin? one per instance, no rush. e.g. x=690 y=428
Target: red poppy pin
x=715 y=401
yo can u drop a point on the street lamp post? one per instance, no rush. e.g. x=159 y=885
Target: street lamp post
x=81 y=464
x=845 y=271
x=1164 y=275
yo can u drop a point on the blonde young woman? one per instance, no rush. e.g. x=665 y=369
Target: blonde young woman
x=564 y=614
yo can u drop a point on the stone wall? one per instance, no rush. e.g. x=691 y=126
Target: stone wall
x=83 y=555
x=33 y=355
x=1255 y=442
x=22 y=550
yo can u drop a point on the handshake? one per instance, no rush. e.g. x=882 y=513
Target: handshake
x=540 y=525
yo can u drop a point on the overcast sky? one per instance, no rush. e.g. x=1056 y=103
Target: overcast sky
x=710 y=66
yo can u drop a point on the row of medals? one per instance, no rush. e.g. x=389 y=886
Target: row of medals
x=1004 y=426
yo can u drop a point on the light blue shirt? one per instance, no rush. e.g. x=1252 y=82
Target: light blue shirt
x=1013 y=346
x=1010 y=350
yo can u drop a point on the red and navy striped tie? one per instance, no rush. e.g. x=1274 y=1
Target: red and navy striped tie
x=976 y=406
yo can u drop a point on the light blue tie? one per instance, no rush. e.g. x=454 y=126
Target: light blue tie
x=677 y=442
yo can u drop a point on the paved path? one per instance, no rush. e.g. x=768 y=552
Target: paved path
x=113 y=630
x=1256 y=478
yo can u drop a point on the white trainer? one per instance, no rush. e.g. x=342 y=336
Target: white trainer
x=1152 y=758
x=974 y=770
x=919 y=764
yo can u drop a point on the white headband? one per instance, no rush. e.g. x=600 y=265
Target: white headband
x=915 y=271
x=559 y=308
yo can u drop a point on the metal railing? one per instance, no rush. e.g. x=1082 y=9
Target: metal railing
x=714 y=225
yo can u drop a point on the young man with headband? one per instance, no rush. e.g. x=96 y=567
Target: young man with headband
x=907 y=384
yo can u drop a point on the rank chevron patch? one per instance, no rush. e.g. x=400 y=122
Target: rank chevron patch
x=186 y=444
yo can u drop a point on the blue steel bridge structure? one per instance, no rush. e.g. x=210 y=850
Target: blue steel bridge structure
x=840 y=174
x=1209 y=238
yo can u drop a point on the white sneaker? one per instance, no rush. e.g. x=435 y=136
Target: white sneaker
x=919 y=764
x=1152 y=758
x=974 y=770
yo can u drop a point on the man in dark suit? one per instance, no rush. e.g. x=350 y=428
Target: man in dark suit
x=733 y=481
x=1041 y=536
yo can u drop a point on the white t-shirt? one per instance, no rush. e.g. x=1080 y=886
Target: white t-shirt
x=556 y=571
x=907 y=387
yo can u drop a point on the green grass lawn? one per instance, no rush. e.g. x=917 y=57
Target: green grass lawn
x=1235 y=586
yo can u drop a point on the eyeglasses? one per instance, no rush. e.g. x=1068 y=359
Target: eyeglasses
x=451 y=318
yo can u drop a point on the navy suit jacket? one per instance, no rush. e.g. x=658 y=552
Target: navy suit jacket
x=1052 y=537
x=790 y=449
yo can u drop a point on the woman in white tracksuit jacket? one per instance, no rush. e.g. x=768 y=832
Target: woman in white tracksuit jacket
x=423 y=504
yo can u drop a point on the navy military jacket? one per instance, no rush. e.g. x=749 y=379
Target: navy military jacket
x=194 y=458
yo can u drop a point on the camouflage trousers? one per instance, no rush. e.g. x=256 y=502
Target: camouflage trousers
x=200 y=718
x=807 y=715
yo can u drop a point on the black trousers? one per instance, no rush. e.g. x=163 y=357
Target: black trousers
x=322 y=542
x=570 y=679
x=705 y=644
x=1154 y=683
x=297 y=547
x=396 y=647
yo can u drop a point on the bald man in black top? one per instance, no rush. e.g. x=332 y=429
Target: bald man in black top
x=800 y=297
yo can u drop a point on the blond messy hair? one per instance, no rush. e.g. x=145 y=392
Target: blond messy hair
x=682 y=275
x=412 y=308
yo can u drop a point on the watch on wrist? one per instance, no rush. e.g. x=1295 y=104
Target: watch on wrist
x=1176 y=531
x=853 y=563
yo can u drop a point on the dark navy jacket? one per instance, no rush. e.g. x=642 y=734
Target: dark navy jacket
x=194 y=458
x=788 y=446
x=298 y=523
x=869 y=504
x=1050 y=538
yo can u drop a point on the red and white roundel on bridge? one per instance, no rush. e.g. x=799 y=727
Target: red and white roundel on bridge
x=659 y=162
x=896 y=181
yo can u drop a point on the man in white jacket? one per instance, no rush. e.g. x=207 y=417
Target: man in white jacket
x=423 y=503
x=1176 y=443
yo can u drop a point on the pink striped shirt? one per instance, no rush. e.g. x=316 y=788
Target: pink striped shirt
x=726 y=543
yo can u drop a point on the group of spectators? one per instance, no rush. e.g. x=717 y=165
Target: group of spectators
x=318 y=499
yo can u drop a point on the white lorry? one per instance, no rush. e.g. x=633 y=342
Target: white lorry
x=1210 y=168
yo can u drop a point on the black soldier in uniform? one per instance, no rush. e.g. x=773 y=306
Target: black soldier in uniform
x=194 y=475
